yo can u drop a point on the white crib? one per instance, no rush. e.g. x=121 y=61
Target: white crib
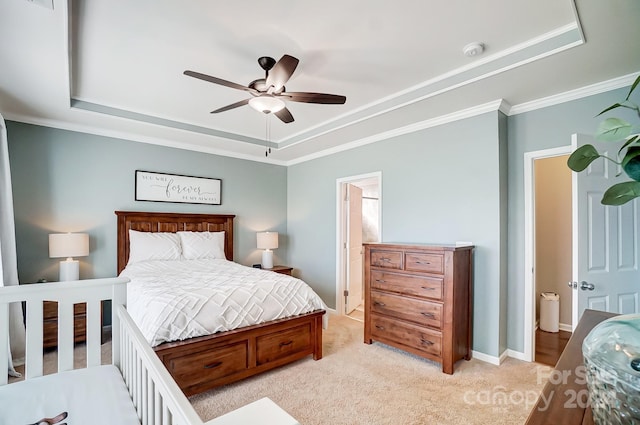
x=152 y=393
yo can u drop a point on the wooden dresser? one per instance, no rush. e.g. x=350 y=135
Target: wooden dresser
x=418 y=298
x=50 y=323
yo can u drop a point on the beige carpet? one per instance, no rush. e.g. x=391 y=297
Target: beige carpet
x=355 y=383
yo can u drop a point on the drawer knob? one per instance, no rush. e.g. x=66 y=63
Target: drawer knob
x=378 y=303
x=380 y=327
x=385 y=259
x=212 y=365
x=380 y=280
x=428 y=288
x=429 y=315
x=284 y=344
x=426 y=341
x=422 y=262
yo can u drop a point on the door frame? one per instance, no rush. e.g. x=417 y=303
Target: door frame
x=529 y=244
x=341 y=279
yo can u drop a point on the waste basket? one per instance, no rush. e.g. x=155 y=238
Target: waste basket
x=549 y=311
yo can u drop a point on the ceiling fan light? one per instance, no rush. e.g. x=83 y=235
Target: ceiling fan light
x=267 y=104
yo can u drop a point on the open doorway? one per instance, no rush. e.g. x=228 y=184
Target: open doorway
x=548 y=254
x=358 y=221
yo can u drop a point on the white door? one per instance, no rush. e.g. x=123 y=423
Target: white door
x=354 y=248
x=606 y=239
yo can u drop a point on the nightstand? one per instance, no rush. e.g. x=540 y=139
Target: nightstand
x=50 y=323
x=281 y=269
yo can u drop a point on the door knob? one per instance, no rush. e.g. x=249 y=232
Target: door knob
x=586 y=286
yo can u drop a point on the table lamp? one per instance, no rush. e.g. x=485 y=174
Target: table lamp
x=69 y=245
x=267 y=241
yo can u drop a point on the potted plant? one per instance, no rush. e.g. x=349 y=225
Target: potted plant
x=615 y=129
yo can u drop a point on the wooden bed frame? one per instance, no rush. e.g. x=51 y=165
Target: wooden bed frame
x=202 y=363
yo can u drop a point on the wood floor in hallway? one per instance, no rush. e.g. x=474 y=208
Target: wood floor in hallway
x=550 y=345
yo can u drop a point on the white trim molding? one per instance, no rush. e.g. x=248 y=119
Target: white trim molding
x=529 y=286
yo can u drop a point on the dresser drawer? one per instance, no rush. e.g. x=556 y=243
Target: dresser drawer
x=387 y=259
x=423 y=339
x=203 y=366
x=421 y=262
x=283 y=344
x=411 y=309
x=420 y=286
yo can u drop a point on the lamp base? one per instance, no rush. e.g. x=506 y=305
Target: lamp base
x=267 y=259
x=69 y=270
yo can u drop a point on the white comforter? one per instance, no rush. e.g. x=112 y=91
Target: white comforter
x=176 y=300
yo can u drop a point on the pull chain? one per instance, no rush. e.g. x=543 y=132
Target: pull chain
x=267 y=130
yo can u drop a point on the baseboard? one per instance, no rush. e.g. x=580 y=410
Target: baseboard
x=516 y=355
x=499 y=360
x=565 y=327
x=486 y=357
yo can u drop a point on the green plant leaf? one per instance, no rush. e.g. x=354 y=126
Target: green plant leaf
x=582 y=157
x=629 y=141
x=633 y=87
x=614 y=106
x=613 y=129
x=621 y=193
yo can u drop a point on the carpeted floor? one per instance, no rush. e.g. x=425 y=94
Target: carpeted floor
x=375 y=384
x=356 y=383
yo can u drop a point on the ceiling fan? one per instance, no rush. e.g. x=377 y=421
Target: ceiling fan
x=268 y=92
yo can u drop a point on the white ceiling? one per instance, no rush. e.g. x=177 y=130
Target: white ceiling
x=115 y=67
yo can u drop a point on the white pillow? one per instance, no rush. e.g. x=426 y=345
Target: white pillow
x=202 y=245
x=145 y=246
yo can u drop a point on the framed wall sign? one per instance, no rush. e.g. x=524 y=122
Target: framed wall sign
x=163 y=187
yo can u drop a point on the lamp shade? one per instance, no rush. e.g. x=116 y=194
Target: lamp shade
x=267 y=240
x=68 y=245
x=266 y=103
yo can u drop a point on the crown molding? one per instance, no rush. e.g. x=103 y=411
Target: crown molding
x=496 y=105
x=579 y=93
x=134 y=137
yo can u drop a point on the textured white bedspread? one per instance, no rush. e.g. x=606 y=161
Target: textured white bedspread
x=176 y=300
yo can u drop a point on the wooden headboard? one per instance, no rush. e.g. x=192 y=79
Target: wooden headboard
x=170 y=222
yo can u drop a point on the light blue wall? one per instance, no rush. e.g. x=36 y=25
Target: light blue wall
x=439 y=185
x=69 y=181
x=442 y=184
x=545 y=128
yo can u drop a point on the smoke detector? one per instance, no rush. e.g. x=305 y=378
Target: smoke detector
x=473 y=49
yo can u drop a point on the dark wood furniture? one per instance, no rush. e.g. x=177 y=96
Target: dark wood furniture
x=281 y=269
x=199 y=364
x=564 y=399
x=50 y=323
x=419 y=298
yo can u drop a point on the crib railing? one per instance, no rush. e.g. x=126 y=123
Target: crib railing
x=156 y=396
x=66 y=294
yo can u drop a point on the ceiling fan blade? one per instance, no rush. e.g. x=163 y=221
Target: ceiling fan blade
x=284 y=115
x=281 y=72
x=232 y=106
x=315 y=97
x=220 y=81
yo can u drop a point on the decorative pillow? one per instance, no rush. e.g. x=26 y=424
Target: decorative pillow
x=201 y=245
x=145 y=246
